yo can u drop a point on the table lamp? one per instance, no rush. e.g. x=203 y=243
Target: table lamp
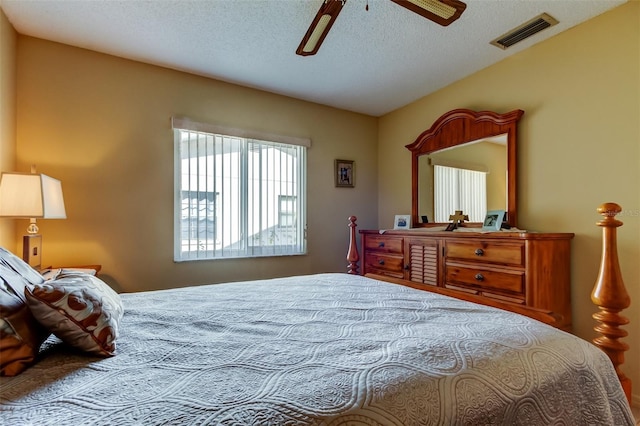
x=31 y=196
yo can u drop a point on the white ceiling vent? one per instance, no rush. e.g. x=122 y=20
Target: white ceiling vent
x=524 y=31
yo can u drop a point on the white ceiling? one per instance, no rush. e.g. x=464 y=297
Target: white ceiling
x=371 y=62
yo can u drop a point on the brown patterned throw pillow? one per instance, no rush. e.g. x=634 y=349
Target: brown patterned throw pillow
x=80 y=309
x=20 y=334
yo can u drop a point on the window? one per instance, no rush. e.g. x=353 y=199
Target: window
x=459 y=189
x=198 y=214
x=287 y=211
x=237 y=195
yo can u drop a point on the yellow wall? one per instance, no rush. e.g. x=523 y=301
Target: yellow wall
x=101 y=125
x=7 y=115
x=579 y=145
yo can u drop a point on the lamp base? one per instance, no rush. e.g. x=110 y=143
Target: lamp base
x=32 y=250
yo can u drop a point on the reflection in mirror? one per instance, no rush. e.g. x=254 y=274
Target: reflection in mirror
x=469 y=177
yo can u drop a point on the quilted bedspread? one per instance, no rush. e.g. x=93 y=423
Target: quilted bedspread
x=327 y=349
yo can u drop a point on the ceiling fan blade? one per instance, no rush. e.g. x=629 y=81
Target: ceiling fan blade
x=442 y=12
x=320 y=27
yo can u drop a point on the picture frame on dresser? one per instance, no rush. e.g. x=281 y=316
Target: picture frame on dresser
x=402 y=221
x=493 y=220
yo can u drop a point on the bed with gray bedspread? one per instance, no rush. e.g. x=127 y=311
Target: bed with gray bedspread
x=325 y=349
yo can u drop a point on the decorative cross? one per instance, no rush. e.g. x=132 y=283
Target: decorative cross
x=459 y=217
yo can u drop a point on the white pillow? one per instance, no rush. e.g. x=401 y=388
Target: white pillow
x=21 y=267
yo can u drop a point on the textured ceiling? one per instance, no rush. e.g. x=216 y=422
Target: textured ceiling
x=371 y=62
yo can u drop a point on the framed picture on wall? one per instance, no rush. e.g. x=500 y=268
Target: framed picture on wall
x=345 y=173
x=402 y=221
x=493 y=220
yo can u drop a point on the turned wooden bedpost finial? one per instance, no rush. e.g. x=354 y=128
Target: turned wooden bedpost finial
x=352 y=254
x=610 y=295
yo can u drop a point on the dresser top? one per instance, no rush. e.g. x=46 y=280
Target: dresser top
x=471 y=233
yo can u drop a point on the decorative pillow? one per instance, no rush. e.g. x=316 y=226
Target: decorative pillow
x=21 y=267
x=80 y=309
x=20 y=334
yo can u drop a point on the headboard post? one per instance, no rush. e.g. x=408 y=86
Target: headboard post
x=610 y=295
x=352 y=254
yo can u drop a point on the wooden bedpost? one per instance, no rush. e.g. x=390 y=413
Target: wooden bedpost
x=352 y=254
x=610 y=295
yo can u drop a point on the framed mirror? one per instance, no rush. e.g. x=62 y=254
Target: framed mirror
x=465 y=161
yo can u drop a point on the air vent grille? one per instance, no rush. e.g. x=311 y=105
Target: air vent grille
x=524 y=31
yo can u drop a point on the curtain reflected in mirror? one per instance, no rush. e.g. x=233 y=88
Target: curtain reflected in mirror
x=471 y=177
x=459 y=189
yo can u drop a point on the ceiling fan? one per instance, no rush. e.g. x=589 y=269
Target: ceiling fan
x=442 y=12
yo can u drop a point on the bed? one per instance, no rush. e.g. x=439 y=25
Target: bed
x=324 y=349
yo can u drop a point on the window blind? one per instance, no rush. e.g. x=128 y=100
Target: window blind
x=459 y=189
x=237 y=196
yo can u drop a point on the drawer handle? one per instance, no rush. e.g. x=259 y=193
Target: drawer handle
x=380 y=262
x=479 y=277
x=381 y=244
x=479 y=252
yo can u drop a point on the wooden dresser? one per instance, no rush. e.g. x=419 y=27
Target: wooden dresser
x=527 y=269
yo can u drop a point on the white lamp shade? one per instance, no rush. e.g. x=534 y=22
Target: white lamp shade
x=25 y=195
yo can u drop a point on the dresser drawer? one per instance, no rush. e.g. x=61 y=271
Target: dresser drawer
x=383 y=244
x=384 y=262
x=394 y=274
x=485 y=251
x=506 y=282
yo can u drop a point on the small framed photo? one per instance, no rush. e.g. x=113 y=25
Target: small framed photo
x=493 y=220
x=344 y=173
x=403 y=221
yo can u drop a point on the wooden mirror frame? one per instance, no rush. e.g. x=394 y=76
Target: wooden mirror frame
x=458 y=127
